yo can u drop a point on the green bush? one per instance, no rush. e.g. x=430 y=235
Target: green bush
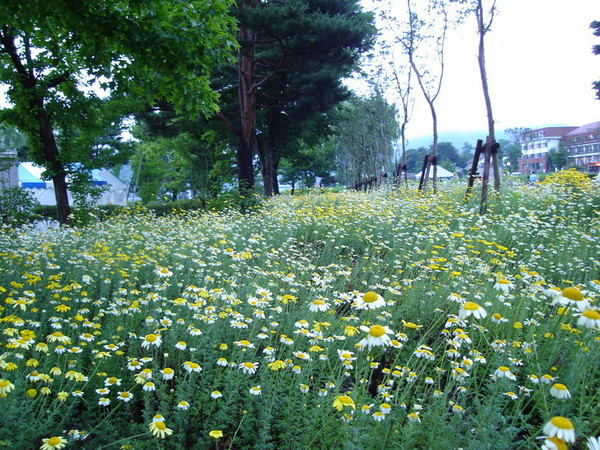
x=17 y=206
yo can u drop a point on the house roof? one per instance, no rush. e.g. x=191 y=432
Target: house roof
x=551 y=131
x=594 y=126
x=557 y=131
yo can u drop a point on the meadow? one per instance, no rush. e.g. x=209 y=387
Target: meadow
x=390 y=319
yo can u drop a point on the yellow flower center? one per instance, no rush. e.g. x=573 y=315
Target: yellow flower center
x=151 y=338
x=503 y=281
x=377 y=331
x=562 y=422
x=559 y=386
x=370 y=297
x=318 y=302
x=504 y=369
x=560 y=444
x=54 y=441
x=591 y=314
x=471 y=306
x=572 y=294
x=160 y=425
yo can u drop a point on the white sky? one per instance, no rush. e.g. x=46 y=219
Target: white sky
x=540 y=69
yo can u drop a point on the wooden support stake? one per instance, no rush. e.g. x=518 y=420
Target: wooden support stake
x=478 y=149
x=424 y=173
x=486 y=176
x=495 y=164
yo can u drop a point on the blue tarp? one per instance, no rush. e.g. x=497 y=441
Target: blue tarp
x=29 y=180
x=97 y=178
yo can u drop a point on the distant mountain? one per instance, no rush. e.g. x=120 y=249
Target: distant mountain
x=457 y=138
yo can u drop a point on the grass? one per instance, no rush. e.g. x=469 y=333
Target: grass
x=158 y=332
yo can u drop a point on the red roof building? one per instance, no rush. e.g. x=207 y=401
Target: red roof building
x=535 y=145
x=583 y=147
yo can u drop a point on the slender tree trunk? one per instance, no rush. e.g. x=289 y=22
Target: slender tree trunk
x=430 y=101
x=483 y=29
x=434 y=152
x=486 y=177
x=404 y=163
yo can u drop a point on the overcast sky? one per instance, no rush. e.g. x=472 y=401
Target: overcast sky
x=540 y=69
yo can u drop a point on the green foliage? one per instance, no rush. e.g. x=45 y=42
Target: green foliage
x=557 y=158
x=414 y=159
x=85 y=196
x=12 y=138
x=165 y=209
x=54 y=58
x=365 y=129
x=176 y=158
x=308 y=163
x=17 y=206
x=293 y=58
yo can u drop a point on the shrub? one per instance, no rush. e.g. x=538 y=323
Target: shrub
x=17 y=206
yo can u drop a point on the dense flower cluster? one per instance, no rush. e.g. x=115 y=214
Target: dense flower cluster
x=354 y=311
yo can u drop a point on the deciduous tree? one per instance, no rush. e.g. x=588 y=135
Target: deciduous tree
x=52 y=55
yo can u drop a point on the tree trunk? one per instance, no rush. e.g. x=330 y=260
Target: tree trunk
x=55 y=166
x=276 y=159
x=51 y=160
x=434 y=159
x=483 y=29
x=267 y=169
x=244 y=154
x=404 y=163
x=247 y=98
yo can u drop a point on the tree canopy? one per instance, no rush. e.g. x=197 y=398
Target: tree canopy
x=293 y=56
x=54 y=56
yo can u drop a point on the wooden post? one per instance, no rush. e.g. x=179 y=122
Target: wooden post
x=474 y=165
x=494 y=146
x=424 y=173
x=486 y=176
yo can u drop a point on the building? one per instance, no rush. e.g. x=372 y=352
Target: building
x=583 y=147
x=536 y=144
x=9 y=176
